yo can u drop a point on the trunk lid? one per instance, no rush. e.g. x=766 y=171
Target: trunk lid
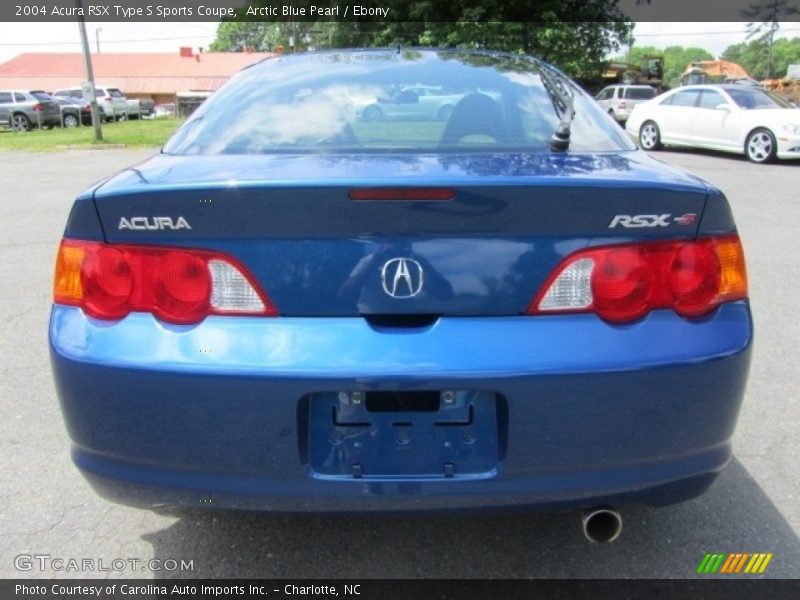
x=290 y=220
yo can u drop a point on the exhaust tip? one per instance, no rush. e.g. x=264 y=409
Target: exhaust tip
x=602 y=525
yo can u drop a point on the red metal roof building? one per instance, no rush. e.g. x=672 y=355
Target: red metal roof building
x=153 y=75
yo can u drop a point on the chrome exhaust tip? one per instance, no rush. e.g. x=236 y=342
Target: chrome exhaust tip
x=601 y=525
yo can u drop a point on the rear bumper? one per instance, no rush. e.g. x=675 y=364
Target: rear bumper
x=214 y=415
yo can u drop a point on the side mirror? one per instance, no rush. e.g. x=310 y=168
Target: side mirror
x=724 y=106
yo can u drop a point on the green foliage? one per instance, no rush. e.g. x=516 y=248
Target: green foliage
x=753 y=56
x=574 y=35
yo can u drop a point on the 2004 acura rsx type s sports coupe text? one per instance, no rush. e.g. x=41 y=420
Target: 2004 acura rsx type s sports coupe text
x=300 y=309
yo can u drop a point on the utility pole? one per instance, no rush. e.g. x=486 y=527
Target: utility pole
x=87 y=61
x=97 y=38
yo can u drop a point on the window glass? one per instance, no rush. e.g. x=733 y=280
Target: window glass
x=5 y=97
x=640 y=93
x=754 y=99
x=685 y=98
x=433 y=101
x=711 y=99
x=19 y=97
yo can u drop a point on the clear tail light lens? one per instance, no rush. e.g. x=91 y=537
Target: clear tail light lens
x=623 y=283
x=181 y=286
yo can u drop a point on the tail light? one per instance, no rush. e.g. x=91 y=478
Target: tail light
x=180 y=286
x=107 y=98
x=622 y=104
x=623 y=283
x=38 y=107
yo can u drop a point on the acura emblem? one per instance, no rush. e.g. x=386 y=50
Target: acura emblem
x=402 y=277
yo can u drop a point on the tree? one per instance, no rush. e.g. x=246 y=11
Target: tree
x=753 y=56
x=766 y=15
x=575 y=35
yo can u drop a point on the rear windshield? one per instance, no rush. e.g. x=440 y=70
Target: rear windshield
x=755 y=98
x=42 y=96
x=640 y=93
x=379 y=101
x=115 y=93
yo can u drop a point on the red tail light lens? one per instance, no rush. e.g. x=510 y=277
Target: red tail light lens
x=694 y=278
x=623 y=283
x=39 y=107
x=177 y=286
x=182 y=288
x=107 y=281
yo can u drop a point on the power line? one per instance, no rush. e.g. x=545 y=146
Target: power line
x=704 y=33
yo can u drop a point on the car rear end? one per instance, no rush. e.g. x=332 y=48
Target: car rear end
x=45 y=109
x=368 y=330
x=629 y=97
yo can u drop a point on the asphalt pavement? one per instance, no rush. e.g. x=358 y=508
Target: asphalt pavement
x=47 y=510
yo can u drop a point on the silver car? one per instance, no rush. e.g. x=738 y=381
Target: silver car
x=619 y=100
x=413 y=102
x=110 y=100
x=23 y=110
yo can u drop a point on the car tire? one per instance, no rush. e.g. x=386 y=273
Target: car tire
x=373 y=113
x=20 y=122
x=649 y=136
x=445 y=112
x=760 y=146
x=70 y=121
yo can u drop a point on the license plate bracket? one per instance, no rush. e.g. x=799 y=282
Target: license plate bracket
x=405 y=434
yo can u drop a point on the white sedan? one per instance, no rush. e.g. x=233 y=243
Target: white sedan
x=730 y=118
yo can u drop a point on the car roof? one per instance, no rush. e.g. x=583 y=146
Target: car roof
x=716 y=86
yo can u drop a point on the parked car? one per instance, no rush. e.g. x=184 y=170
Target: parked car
x=74 y=112
x=110 y=100
x=299 y=310
x=29 y=109
x=730 y=118
x=139 y=108
x=410 y=103
x=619 y=100
x=161 y=111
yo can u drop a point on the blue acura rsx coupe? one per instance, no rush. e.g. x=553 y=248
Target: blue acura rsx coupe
x=296 y=308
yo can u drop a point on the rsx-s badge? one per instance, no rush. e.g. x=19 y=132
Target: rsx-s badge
x=402 y=277
x=151 y=223
x=665 y=220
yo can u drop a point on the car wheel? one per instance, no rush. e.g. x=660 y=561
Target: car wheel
x=20 y=122
x=373 y=113
x=445 y=112
x=650 y=136
x=70 y=121
x=760 y=146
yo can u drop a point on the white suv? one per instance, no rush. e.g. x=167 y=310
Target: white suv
x=110 y=100
x=619 y=100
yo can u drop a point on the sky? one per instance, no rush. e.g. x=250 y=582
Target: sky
x=16 y=38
